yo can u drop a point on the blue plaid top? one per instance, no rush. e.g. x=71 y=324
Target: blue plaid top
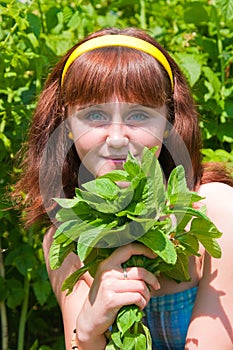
x=168 y=318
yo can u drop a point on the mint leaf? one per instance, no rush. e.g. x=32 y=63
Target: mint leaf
x=103 y=187
x=116 y=175
x=58 y=253
x=127 y=316
x=156 y=240
x=134 y=341
x=177 y=190
x=91 y=235
x=103 y=216
x=180 y=270
x=206 y=232
x=132 y=167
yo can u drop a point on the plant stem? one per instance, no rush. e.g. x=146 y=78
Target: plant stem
x=219 y=44
x=41 y=16
x=135 y=328
x=4 y=323
x=10 y=33
x=23 y=316
x=143 y=14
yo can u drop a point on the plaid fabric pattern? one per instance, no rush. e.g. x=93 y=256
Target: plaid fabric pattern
x=168 y=318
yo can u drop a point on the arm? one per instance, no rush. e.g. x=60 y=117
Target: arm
x=93 y=305
x=69 y=307
x=212 y=318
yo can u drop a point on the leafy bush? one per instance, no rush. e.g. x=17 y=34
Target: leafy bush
x=33 y=35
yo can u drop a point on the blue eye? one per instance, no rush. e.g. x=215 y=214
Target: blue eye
x=96 y=117
x=137 y=116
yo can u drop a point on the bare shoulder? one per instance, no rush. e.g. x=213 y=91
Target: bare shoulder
x=218 y=199
x=214 y=190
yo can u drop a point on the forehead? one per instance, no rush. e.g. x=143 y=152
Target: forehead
x=100 y=75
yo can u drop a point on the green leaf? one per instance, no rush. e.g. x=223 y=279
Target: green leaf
x=58 y=253
x=134 y=342
x=127 y=316
x=70 y=281
x=116 y=175
x=212 y=83
x=42 y=290
x=67 y=202
x=104 y=216
x=134 y=208
x=111 y=346
x=69 y=231
x=149 y=160
x=116 y=338
x=15 y=293
x=156 y=240
x=226 y=8
x=35 y=24
x=180 y=271
x=103 y=187
x=132 y=166
x=91 y=236
x=104 y=205
x=79 y=212
x=153 y=195
x=190 y=242
x=146 y=331
x=75 y=276
x=177 y=190
x=206 y=232
x=191 y=66
x=23 y=258
x=66 y=214
x=195 y=12
x=190 y=211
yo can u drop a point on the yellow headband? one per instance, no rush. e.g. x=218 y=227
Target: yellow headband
x=119 y=40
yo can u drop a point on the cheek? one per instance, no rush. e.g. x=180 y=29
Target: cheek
x=150 y=137
x=86 y=139
x=83 y=145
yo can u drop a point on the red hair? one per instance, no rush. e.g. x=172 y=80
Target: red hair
x=95 y=77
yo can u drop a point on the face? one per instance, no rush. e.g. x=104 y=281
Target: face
x=104 y=134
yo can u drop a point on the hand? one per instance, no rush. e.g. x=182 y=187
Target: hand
x=111 y=290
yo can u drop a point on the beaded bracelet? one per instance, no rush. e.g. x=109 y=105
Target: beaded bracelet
x=74 y=344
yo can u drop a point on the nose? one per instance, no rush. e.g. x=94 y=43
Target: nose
x=116 y=136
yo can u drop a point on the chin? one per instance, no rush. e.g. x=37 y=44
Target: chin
x=106 y=168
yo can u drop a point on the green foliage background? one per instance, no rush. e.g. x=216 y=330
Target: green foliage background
x=33 y=35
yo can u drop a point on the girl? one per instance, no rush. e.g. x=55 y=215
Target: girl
x=118 y=91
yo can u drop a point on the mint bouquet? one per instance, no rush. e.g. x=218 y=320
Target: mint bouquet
x=103 y=216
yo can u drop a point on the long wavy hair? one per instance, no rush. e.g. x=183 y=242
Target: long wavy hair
x=93 y=78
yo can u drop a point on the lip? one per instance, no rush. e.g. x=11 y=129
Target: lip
x=116 y=156
x=116 y=161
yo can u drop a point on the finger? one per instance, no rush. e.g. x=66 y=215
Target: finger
x=139 y=273
x=133 y=286
x=135 y=298
x=122 y=254
x=133 y=273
